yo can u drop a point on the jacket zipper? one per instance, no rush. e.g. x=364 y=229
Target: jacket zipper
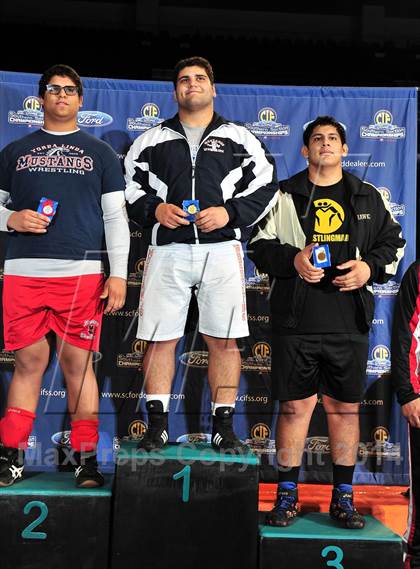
x=193 y=160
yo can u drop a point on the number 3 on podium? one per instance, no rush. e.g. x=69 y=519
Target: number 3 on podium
x=336 y=563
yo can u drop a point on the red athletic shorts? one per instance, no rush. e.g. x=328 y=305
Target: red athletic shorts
x=70 y=306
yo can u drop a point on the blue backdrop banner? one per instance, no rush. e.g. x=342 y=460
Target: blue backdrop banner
x=381 y=131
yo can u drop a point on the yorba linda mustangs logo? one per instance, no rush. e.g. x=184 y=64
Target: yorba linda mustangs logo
x=382 y=127
x=56 y=158
x=214 y=145
x=267 y=125
x=149 y=117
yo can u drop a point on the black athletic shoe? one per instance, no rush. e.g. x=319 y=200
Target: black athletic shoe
x=87 y=473
x=223 y=436
x=157 y=434
x=343 y=511
x=11 y=465
x=285 y=509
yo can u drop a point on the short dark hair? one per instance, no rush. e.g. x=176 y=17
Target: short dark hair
x=62 y=71
x=324 y=120
x=189 y=62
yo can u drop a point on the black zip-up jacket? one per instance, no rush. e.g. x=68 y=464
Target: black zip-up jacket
x=232 y=169
x=375 y=237
x=405 y=337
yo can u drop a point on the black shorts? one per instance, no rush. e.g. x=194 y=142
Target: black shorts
x=330 y=364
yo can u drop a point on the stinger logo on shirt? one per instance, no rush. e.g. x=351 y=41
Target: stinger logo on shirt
x=329 y=216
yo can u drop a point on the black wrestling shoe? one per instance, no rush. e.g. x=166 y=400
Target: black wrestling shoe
x=86 y=472
x=157 y=434
x=285 y=509
x=11 y=465
x=223 y=436
x=343 y=511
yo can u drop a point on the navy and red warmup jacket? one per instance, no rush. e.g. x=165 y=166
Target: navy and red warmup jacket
x=405 y=342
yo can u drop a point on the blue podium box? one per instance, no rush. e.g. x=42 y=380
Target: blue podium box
x=48 y=523
x=186 y=506
x=314 y=541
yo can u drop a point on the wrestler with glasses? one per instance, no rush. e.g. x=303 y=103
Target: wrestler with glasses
x=62 y=203
x=54 y=89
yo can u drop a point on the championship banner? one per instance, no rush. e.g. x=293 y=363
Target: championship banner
x=381 y=133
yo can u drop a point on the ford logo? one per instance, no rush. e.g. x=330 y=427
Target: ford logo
x=318 y=445
x=195 y=359
x=62 y=438
x=93 y=118
x=194 y=438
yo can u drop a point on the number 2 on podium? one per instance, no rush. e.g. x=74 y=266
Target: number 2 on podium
x=185 y=473
x=28 y=532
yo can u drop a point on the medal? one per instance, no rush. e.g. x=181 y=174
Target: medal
x=192 y=207
x=321 y=256
x=47 y=207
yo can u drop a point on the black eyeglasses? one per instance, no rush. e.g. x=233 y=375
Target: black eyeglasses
x=68 y=89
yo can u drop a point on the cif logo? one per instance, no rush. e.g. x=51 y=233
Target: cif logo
x=383 y=118
x=260 y=275
x=137 y=428
x=386 y=194
x=32 y=441
x=397 y=209
x=267 y=114
x=261 y=350
x=380 y=435
x=62 y=438
x=260 y=431
x=32 y=104
x=150 y=111
x=139 y=266
x=139 y=347
x=380 y=353
x=382 y=127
